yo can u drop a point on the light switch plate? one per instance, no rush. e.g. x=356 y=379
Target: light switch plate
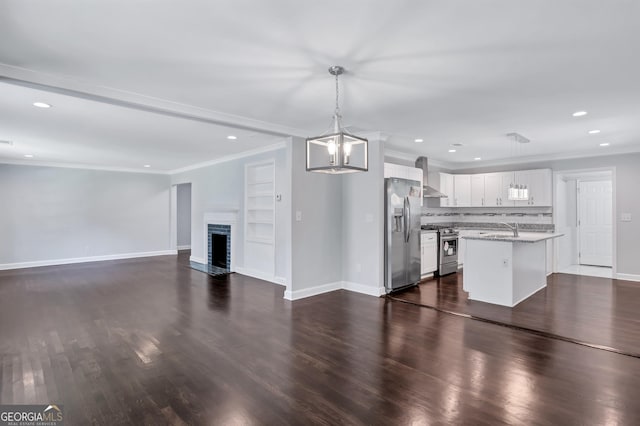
x=625 y=217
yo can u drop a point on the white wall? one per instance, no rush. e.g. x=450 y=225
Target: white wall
x=50 y=214
x=363 y=225
x=316 y=240
x=184 y=215
x=220 y=187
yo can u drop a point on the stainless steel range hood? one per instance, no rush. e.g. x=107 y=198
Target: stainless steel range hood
x=427 y=191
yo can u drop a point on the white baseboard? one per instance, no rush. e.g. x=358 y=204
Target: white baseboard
x=363 y=289
x=197 y=260
x=53 y=262
x=338 y=285
x=187 y=247
x=260 y=275
x=628 y=277
x=312 y=291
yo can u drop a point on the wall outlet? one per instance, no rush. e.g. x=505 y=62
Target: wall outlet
x=505 y=263
x=278 y=197
x=298 y=216
x=625 y=217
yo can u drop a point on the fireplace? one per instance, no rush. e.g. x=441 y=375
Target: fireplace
x=219 y=243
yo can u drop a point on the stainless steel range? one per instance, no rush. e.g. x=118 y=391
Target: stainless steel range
x=447 y=249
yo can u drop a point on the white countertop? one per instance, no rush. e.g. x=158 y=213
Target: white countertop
x=507 y=236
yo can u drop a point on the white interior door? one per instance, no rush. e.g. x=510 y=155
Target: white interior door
x=595 y=222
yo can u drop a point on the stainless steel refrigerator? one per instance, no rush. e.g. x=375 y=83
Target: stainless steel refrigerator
x=402 y=233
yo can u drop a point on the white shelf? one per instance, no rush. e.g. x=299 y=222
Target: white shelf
x=260 y=240
x=260 y=203
x=260 y=182
x=260 y=194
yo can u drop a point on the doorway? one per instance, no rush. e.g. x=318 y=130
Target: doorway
x=181 y=216
x=584 y=212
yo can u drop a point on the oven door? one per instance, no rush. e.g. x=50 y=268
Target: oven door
x=448 y=249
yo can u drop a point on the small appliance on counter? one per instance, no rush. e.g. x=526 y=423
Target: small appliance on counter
x=447 y=249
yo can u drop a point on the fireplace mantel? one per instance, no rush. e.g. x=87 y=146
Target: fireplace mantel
x=223 y=217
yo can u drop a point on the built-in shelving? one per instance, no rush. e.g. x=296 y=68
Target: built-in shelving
x=259 y=202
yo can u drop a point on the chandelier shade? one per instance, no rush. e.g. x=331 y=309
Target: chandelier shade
x=337 y=152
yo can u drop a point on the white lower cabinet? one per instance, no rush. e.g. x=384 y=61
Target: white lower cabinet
x=429 y=252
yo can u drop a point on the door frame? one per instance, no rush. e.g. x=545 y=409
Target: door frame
x=560 y=175
x=579 y=211
x=173 y=215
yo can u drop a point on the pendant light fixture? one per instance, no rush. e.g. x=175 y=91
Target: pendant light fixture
x=518 y=191
x=338 y=151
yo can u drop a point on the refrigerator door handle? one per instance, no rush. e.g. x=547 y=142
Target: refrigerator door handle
x=407 y=218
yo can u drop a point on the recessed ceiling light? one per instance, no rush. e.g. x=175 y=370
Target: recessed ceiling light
x=418 y=140
x=147 y=166
x=604 y=144
x=452 y=150
x=594 y=132
x=28 y=155
x=232 y=137
x=579 y=113
x=41 y=105
x=477 y=159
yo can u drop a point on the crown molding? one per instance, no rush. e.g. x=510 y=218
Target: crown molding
x=232 y=157
x=83 y=166
x=542 y=158
x=412 y=157
x=36 y=163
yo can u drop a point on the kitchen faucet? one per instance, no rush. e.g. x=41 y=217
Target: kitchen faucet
x=514 y=228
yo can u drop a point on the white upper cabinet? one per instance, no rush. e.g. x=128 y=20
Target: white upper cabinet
x=446 y=187
x=492 y=189
x=405 y=172
x=478 y=190
x=540 y=187
x=462 y=190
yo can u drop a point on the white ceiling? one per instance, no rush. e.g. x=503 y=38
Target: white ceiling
x=447 y=72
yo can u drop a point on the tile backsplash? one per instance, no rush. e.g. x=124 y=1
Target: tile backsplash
x=531 y=215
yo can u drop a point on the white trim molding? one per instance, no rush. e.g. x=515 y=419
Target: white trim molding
x=253 y=273
x=312 y=291
x=244 y=154
x=69 y=261
x=363 y=289
x=185 y=247
x=628 y=277
x=338 y=285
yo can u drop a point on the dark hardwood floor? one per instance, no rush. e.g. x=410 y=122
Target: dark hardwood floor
x=594 y=310
x=150 y=341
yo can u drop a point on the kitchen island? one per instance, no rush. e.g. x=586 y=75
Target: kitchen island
x=502 y=269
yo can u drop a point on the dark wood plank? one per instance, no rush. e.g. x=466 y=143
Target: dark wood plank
x=150 y=341
x=588 y=309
